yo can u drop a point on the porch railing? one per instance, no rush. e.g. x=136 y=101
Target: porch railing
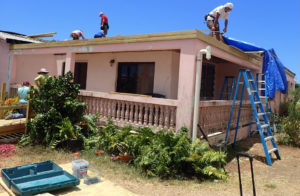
x=130 y=109
x=214 y=115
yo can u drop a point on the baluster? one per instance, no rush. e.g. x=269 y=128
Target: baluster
x=150 y=123
x=156 y=116
x=126 y=107
x=131 y=113
x=88 y=105
x=102 y=108
x=172 y=118
x=161 y=116
x=113 y=109
x=167 y=113
x=122 y=110
x=109 y=108
x=118 y=111
x=94 y=105
x=146 y=115
x=136 y=113
x=140 y=113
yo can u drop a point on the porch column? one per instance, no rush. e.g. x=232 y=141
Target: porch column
x=60 y=64
x=12 y=70
x=186 y=85
x=70 y=62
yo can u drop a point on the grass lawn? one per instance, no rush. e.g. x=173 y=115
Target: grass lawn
x=283 y=178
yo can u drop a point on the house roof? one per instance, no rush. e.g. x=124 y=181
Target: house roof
x=16 y=38
x=178 y=35
x=290 y=72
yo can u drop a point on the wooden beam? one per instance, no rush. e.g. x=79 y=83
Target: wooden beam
x=4 y=130
x=42 y=35
x=3 y=92
x=11 y=107
x=2 y=98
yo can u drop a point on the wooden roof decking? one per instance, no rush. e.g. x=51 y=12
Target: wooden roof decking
x=154 y=37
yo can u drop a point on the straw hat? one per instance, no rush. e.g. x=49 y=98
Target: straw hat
x=43 y=70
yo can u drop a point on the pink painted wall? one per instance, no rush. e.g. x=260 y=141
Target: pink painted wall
x=4 y=55
x=27 y=66
x=102 y=76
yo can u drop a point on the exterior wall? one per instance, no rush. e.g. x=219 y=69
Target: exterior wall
x=102 y=75
x=4 y=55
x=164 y=80
x=281 y=98
x=27 y=66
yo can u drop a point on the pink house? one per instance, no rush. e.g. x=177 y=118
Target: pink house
x=143 y=80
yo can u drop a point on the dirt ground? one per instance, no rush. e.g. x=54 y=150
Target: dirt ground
x=283 y=178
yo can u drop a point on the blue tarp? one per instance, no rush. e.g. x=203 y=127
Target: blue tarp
x=272 y=66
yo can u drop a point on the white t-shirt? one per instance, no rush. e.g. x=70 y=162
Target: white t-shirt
x=77 y=32
x=221 y=11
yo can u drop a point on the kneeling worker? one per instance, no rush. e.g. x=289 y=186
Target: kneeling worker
x=77 y=34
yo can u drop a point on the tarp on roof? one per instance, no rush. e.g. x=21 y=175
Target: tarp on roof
x=272 y=67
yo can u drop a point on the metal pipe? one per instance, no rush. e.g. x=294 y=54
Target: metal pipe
x=207 y=52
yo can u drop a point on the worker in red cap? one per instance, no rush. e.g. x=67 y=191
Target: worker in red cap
x=212 y=19
x=104 y=23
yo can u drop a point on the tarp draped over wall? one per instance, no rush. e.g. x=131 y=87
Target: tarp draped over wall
x=272 y=66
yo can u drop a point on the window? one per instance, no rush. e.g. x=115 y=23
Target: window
x=207 y=81
x=135 y=78
x=80 y=74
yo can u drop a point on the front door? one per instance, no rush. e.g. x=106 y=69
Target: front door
x=80 y=74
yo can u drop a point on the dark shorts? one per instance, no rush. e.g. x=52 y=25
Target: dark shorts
x=210 y=24
x=105 y=27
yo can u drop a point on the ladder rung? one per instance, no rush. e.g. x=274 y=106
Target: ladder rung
x=262 y=81
x=269 y=138
x=261 y=74
x=250 y=80
x=260 y=114
x=263 y=97
x=272 y=150
x=256 y=102
x=253 y=91
x=261 y=89
x=264 y=126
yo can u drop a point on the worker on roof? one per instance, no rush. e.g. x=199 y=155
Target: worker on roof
x=212 y=19
x=77 y=34
x=41 y=78
x=104 y=23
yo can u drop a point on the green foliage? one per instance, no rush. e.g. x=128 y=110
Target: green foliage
x=57 y=111
x=290 y=124
x=163 y=154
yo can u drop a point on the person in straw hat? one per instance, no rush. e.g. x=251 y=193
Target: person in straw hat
x=42 y=77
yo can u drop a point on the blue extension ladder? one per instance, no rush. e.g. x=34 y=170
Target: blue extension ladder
x=262 y=85
x=261 y=124
x=229 y=89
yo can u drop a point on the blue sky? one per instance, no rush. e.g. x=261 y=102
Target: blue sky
x=265 y=23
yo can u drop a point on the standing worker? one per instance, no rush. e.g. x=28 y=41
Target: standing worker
x=23 y=94
x=212 y=19
x=41 y=78
x=104 y=23
x=77 y=34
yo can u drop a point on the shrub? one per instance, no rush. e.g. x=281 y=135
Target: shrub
x=57 y=112
x=164 y=154
x=290 y=124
